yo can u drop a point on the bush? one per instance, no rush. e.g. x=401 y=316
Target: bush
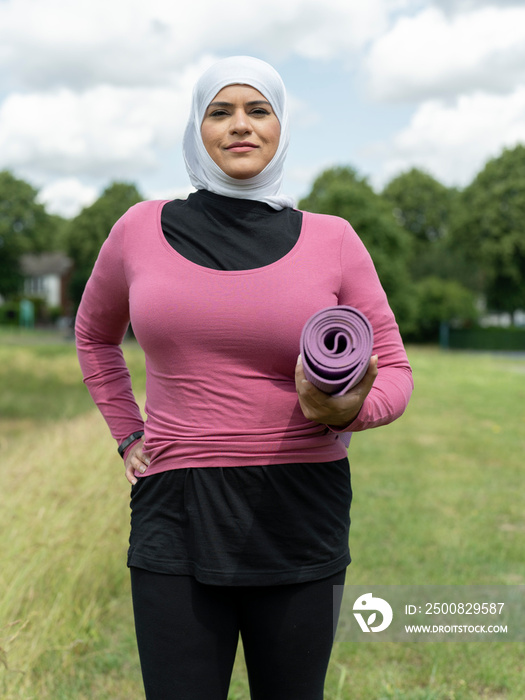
x=43 y=314
x=10 y=313
x=439 y=301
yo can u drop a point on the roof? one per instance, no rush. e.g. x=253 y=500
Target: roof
x=45 y=264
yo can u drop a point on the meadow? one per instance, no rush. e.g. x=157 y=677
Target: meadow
x=438 y=499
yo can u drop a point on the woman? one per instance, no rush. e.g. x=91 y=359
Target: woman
x=241 y=486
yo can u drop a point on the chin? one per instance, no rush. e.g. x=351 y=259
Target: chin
x=243 y=176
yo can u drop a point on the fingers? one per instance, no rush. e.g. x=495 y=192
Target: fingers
x=304 y=387
x=299 y=371
x=370 y=376
x=333 y=410
x=136 y=461
x=130 y=476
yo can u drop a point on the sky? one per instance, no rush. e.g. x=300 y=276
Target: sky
x=97 y=91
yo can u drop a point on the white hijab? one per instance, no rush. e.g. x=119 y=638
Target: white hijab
x=204 y=173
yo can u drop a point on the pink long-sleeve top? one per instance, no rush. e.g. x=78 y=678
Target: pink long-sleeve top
x=221 y=346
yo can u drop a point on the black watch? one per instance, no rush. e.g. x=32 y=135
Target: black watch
x=127 y=442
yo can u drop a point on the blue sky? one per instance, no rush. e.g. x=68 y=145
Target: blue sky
x=98 y=90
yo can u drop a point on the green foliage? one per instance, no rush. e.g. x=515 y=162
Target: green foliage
x=422 y=205
x=444 y=282
x=426 y=208
x=87 y=232
x=490 y=228
x=25 y=227
x=341 y=192
x=9 y=313
x=441 y=300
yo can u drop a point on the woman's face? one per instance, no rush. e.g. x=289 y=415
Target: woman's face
x=240 y=131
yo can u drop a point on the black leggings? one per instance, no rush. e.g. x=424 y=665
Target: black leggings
x=187 y=634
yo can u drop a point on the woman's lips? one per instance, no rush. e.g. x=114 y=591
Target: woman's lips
x=241 y=147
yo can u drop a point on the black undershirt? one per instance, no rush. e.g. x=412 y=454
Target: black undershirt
x=224 y=233
x=263 y=525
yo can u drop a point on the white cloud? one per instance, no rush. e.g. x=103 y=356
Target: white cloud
x=66 y=197
x=430 y=55
x=109 y=131
x=334 y=28
x=170 y=193
x=131 y=42
x=453 y=142
x=453 y=7
x=300 y=179
x=121 y=42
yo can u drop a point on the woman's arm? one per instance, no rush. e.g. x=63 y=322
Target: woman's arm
x=101 y=324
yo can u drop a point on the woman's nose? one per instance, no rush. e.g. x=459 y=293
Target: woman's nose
x=240 y=122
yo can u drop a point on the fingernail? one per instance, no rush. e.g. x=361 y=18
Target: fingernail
x=299 y=360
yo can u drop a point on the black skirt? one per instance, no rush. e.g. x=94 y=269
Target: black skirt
x=256 y=525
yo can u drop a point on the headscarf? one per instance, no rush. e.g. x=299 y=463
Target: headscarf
x=204 y=173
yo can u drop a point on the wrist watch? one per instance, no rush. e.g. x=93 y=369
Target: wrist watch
x=127 y=442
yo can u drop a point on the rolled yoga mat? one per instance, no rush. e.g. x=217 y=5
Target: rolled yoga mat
x=336 y=346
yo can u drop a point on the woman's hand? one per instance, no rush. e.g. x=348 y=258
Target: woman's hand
x=136 y=460
x=335 y=411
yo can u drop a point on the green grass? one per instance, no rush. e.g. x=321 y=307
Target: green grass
x=40 y=379
x=438 y=499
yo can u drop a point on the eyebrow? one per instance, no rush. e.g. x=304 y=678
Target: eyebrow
x=230 y=104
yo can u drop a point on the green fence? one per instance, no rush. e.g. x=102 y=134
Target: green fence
x=510 y=339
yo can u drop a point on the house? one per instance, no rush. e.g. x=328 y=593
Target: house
x=47 y=277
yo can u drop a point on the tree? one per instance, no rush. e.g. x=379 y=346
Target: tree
x=425 y=209
x=25 y=227
x=441 y=300
x=422 y=205
x=341 y=192
x=490 y=229
x=87 y=232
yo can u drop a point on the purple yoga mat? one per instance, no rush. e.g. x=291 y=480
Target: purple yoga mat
x=336 y=346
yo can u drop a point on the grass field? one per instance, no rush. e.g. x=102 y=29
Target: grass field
x=438 y=499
